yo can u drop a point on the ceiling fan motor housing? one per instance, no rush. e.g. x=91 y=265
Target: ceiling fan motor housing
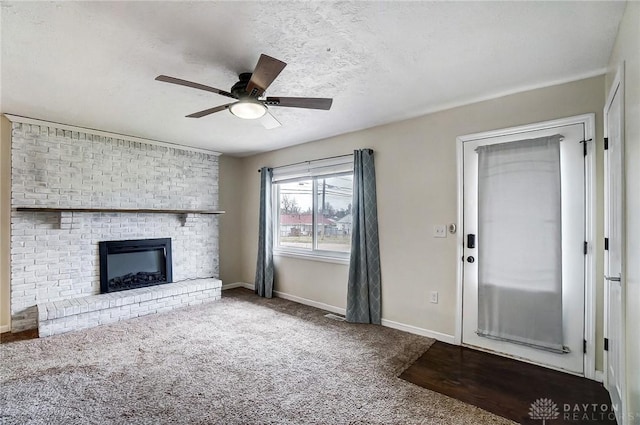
x=239 y=89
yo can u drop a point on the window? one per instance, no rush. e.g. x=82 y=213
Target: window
x=313 y=208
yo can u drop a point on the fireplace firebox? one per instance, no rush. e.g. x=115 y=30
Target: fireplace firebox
x=134 y=263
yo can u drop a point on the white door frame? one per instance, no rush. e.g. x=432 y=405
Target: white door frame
x=588 y=120
x=616 y=86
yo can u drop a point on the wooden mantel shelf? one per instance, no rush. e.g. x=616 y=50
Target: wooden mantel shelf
x=115 y=210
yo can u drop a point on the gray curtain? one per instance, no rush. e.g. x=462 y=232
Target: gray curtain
x=363 y=292
x=264 y=266
x=520 y=243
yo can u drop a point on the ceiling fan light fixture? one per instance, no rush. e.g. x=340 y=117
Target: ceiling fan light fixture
x=248 y=109
x=249 y=101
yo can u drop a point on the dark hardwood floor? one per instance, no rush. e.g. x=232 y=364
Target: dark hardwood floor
x=18 y=336
x=508 y=387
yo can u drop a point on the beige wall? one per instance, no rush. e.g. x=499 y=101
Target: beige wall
x=416 y=175
x=230 y=190
x=627 y=49
x=5 y=222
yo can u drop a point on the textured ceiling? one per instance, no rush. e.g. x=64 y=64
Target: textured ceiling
x=93 y=64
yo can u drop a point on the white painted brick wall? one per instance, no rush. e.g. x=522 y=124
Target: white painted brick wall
x=55 y=256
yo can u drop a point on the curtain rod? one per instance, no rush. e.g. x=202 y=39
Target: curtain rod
x=312 y=160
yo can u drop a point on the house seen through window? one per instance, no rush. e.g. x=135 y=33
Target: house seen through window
x=314 y=214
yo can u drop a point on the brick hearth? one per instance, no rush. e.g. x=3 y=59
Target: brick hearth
x=56 y=317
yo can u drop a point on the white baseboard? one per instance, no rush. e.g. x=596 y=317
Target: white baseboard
x=599 y=377
x=237 y=285
x=449 y=339
x=305 y=301
x=5 y=328
x=387 y=323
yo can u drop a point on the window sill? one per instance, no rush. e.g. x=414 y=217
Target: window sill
x=313 y=257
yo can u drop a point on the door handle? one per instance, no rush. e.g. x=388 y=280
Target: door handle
x=612 y=278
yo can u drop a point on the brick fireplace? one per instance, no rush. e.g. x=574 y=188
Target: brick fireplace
x=55 y=254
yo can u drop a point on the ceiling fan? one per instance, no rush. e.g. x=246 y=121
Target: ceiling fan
x=248 y=92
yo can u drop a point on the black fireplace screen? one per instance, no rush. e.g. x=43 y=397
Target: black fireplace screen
x=134 y=264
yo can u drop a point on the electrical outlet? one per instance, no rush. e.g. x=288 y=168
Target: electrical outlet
x=440 y=231
x=434 y=297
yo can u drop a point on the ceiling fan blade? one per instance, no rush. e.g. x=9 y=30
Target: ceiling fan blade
x=266 y=71
x=268 y=121
x=210 y=111
x=300 y=102
x=173 y=80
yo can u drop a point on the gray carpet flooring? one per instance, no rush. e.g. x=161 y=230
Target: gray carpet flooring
x=240 y=360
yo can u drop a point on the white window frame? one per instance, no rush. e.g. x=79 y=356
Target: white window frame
x=311 y=170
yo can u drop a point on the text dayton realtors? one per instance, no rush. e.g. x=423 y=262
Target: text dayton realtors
x=588 y=412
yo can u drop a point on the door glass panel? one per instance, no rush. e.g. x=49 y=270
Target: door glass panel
x=520 y=243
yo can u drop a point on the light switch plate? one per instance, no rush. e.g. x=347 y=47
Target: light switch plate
x=440 y=231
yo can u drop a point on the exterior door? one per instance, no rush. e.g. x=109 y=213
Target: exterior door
x=539 y=261
x=614 y=242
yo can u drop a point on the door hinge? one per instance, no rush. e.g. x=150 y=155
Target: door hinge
x=606 y=143
x=584 y=346
x=586 y=247
x=606 y=244
x=606 y=344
